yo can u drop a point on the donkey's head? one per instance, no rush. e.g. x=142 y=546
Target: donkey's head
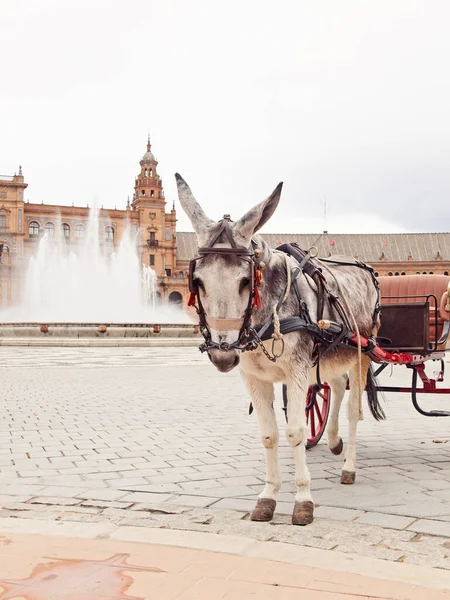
x=224 y=281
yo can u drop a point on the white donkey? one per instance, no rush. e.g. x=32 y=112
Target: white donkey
x=224 y=283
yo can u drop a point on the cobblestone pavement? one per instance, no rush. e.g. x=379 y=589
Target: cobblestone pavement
x=158 y=438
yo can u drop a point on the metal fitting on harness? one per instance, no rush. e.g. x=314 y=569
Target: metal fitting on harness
x=330 y=326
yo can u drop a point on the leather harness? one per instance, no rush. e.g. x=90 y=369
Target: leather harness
x=325 y=337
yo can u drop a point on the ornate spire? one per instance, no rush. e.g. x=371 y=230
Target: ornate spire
x=148 y=143
x=20 y=169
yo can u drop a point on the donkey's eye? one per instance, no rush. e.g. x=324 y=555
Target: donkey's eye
x=244 y=283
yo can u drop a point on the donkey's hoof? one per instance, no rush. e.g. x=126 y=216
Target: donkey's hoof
x=264 y=509
x=303 y=513
x=338 y=449
x=348 y=477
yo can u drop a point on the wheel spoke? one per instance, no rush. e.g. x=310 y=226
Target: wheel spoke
x=319 y=414
x=313 y=422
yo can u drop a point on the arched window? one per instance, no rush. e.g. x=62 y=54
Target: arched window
x=49 y=229
x=2 y=222
x=145 y=173
x=79 y=229
x=376 y=273
x=33 y=230
x=4 y=256
x=109 y=235
x=446 y=273
x=397 y=273
x=175 y=298
x=142 y=192
x=403 y=273
x=390 y=273
x=150 y=173
x=66 y=230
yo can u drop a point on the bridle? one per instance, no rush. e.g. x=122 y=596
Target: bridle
x=247 y=339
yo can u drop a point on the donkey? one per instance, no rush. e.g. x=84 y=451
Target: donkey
x=224 y=285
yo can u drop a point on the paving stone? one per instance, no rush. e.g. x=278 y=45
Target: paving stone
x=144 y=497
x=165 y=507
x=384 y=520
x=244 y=480
x=431 y=527
x=420 y=509
x=65 y=492
x=6 y=499
x=337 y=514
x=155 y=488
x=52 y=500
x=106 y=504
x=185 y=500
x=102 y=494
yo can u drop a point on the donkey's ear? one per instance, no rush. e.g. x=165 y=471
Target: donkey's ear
x=191 y=207
x=258 y=216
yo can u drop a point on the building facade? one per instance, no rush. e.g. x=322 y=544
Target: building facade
x=160 y=246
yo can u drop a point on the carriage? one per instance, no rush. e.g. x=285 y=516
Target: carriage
x=414 y=331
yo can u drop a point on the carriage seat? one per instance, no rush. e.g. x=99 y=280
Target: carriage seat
x=401 y=291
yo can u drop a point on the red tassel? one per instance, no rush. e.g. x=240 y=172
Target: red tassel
x=257 y=300
x=192 y=298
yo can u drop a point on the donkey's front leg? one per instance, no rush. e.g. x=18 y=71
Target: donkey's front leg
x=296 y=433
x=262 y=395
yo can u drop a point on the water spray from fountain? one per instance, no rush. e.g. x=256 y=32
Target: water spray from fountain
x=90 y=284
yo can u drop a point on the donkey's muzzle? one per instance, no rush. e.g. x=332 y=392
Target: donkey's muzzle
x=224 y=360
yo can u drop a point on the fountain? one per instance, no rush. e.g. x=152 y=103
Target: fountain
x=91 y=285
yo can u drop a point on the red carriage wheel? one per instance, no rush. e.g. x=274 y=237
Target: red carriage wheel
x=317 y=409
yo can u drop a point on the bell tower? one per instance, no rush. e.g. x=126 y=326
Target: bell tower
x=157 y=228
x=148 y=188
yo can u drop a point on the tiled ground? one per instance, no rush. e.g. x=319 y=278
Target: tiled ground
x=52 y=568
x=113 y=429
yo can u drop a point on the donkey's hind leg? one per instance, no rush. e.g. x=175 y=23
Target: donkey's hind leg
x=262 y=395
x=338 y=386
x=358 y=381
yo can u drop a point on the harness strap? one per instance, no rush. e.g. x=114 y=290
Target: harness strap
x=224 y=228
x=370 y=270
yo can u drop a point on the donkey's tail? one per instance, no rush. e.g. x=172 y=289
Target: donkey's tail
x=372 y=396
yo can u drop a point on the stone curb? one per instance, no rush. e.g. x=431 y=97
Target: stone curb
x=246 y=547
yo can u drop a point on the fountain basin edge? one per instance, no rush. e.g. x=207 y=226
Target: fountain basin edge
x=98 y=331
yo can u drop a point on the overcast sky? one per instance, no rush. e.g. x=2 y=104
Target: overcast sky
x=343 y=100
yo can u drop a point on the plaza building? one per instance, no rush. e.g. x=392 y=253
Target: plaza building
x=160 y=246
